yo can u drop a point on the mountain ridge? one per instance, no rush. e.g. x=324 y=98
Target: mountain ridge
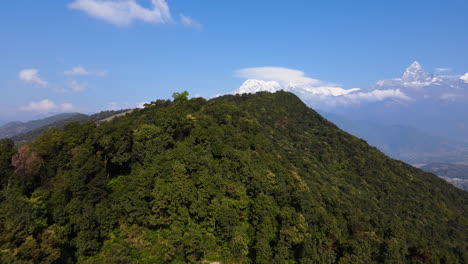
x=238 y=179
x=60 y=124
x=17 y=127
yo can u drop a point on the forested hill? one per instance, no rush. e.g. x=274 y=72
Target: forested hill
x=257 y=178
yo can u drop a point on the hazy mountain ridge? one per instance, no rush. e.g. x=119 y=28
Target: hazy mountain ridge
x=59 y=123
x=406 y=143
x=14 y=128
x=456 y=174
x=448 y=170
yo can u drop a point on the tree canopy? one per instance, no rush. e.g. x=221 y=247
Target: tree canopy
x=180 y=97
x=256 y=178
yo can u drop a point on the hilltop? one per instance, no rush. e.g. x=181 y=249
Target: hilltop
x=255 y=178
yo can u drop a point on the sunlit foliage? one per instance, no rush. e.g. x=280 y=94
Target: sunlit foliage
x=239 y=179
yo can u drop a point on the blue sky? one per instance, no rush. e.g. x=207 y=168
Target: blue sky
x=82 y=55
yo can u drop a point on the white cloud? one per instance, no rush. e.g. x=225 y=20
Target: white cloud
x=190 y=22
x=124 y=12
x=74 y=86
x=284 y=76
x=352 y=98
x=464 y=77
x=77 y=87
x=31 y=76
x=80 y=71
x=279 y=78
x=45 y=106
x=440 y=70
x=375 y=96
x=328 y=91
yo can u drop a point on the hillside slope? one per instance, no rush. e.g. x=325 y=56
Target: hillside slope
x=257 y=178
x=15 y=128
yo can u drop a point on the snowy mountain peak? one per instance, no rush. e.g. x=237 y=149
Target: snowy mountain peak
x=415 y=65
x=253 y=86
x=416 y=82
x=416 y=74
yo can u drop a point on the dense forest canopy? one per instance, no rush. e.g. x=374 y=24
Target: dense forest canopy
x=256 y=178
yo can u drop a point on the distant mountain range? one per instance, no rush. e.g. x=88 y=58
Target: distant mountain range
x=416 y=77
x=26 y=131
x=403 y=142
x=15 y=128
x=437 y=105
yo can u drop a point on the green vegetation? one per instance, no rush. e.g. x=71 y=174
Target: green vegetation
x=239 y=179
x=180 y=97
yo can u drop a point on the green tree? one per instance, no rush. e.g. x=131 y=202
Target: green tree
x=180 y=97
x=257 y=178
x=7 y=150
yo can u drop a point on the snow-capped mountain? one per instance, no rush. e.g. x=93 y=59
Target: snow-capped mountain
x=415 y=84
x=416 y=74
x=416 y=77
x=253 y=86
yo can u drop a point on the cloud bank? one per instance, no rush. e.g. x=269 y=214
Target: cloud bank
x=46 y=106
x=279 y=74
x=31 y=76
